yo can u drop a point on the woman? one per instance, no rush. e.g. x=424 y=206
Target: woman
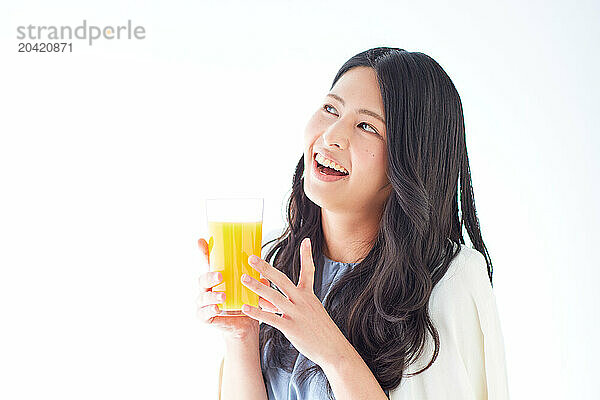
x=371 y=285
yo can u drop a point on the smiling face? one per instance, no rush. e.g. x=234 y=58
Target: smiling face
x=348 y=128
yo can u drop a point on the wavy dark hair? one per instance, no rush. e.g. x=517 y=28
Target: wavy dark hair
x=381 y=305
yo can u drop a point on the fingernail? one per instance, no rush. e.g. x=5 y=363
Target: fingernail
x=245 y=278
x=253 y=259
x=217 y=277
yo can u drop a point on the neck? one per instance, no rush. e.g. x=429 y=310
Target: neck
x=348 y=237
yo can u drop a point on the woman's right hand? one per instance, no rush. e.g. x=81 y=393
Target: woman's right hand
x=232 y=327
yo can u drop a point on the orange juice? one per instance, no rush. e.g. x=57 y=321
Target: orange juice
x=230 y=245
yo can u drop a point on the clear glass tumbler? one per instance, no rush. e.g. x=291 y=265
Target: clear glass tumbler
x=235 y=232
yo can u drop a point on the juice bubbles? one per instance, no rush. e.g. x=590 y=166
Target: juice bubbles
x=230 y=245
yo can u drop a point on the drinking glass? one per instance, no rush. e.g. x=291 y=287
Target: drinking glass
x=235 y=232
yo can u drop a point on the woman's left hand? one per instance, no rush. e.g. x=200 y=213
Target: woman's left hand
x=304 y=320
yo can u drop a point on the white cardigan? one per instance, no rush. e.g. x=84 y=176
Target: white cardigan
x=471 y=363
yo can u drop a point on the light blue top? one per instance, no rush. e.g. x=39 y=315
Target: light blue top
x=282 y=385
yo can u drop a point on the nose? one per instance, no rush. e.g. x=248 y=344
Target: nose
x=336 y=135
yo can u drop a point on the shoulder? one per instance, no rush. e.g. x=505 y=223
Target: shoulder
x=467 y=274
x=464 y=293
x=471 y=357
x=463 y=308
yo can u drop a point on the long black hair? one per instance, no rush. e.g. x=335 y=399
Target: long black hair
x=381 y=304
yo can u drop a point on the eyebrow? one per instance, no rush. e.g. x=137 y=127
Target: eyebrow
x=361 y=110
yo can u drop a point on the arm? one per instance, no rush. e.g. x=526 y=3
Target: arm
x=350 y=377
x=240 y=368
x=241 y=365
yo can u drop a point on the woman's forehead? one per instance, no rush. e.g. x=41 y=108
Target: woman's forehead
x=358 y=88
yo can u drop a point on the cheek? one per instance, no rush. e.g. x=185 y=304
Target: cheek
x=375 y=163
x=313 y=127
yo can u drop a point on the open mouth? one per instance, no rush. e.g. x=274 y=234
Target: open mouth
x=331 y=169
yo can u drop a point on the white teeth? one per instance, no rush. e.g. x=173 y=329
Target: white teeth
x=329 y=163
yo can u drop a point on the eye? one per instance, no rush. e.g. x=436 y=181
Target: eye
x=326 y=106
x=373 y=130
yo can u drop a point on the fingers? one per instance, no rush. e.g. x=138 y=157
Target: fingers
x=207 y=304
x=307 y=266
x=267 y=292
x=266 y=305
x=210 y=297
x=207 y=313
x=209 y=279
x=203 y=245
x=274 y=275
x=266 y=317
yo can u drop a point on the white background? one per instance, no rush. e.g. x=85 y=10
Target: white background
x=107 y=153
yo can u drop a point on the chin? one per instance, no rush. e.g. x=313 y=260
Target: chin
x=316 y=196
x=327 y=200
x=311 y=196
